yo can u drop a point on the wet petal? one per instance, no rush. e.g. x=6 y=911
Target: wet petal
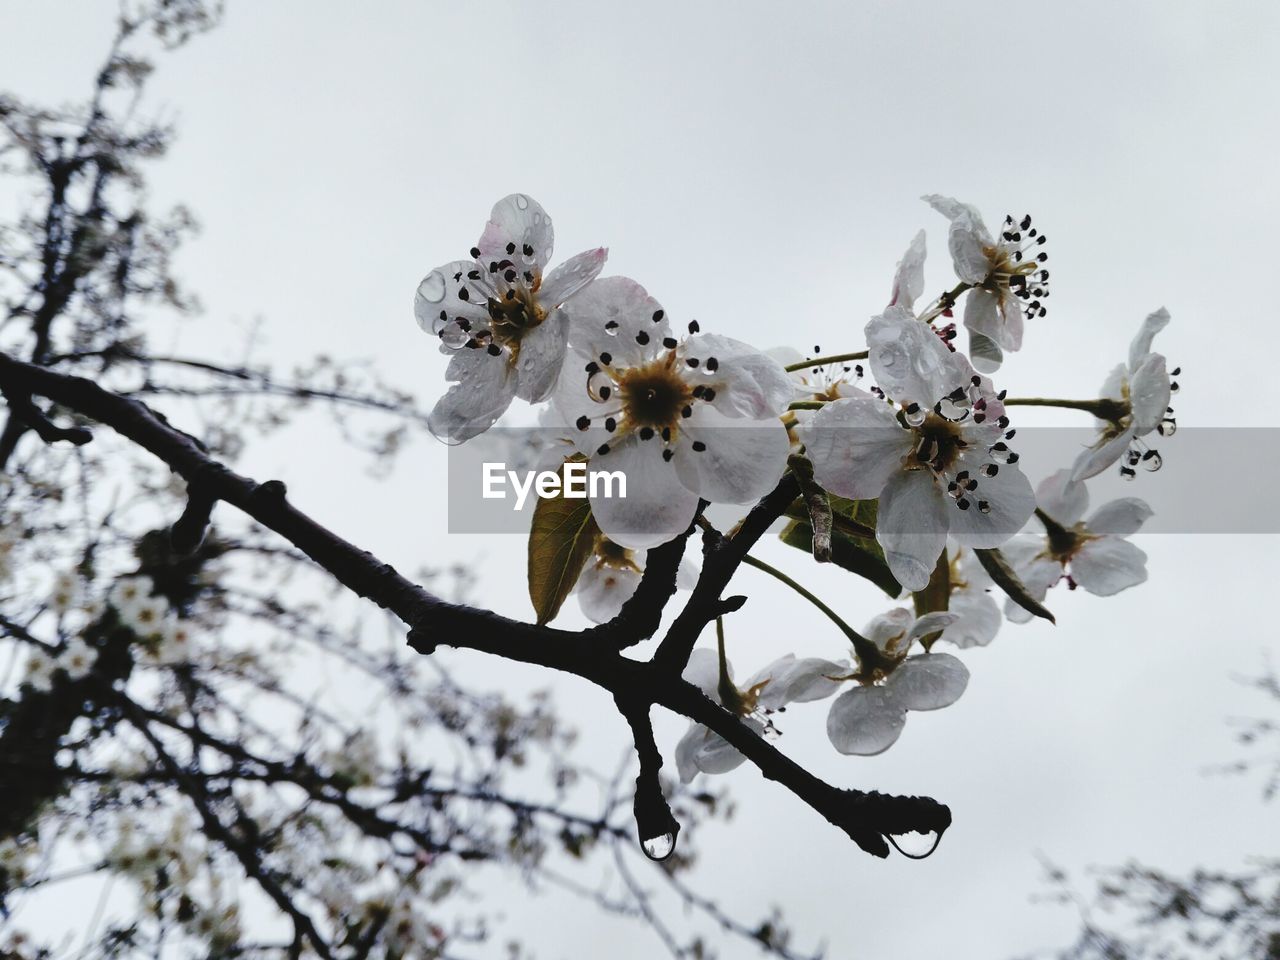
x=1141 y=345
x=931 y=623
x=929 y=681
x=1149 y=393
x=740 y=460
x=912 y=526
x=483 y=386
x=910 y=361
x=908 y=277
x=1094 y=460
x=516 y=222
x=436 y=301
x=801 y=681
x=865 y=721
x=603 y=589
x=985 y=353
x=747 y=383
x=1062 y=498
x=1107 y=565
x=571 y=276
x=1120 y=517
x=540 y=358
x=977 y=619
x=855 y=445
x=615 y=315
x=657 y=507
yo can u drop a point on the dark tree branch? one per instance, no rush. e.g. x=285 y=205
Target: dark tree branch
x=868 y=818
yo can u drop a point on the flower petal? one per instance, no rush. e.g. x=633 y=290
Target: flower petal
x=910 y=361
x=1120 y=517
x=741 y=460
x=436 y=301
x=571 y=276
x=801 y=681
x=483 y=386
x=747 y=383
x=615 y=315
x=1062 y=498
x=908 y=277
x=1010 y=501
x=1141 y=345
x=515 y=222
x=703 y=671
x=657 y=507
x=604 y=588
x=984 y=353
x=929 y=681
x=1094 y=460
x=540 y=358
x=865 y=721
x=977 y=619
x=1107 y=565
x=931 y=623
x=855 y=445
x=911 y=526
x=1149 y=392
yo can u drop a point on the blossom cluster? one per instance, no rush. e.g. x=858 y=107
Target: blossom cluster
x=914 y=424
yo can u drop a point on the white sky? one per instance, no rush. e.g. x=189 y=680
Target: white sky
x=757 y=166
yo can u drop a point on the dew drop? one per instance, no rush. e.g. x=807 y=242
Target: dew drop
x=914 y=415
x=522 y=201
x=915 y=845
x=659 y=848
x=431 y=289
x=1152 y=461
x=1168 y=427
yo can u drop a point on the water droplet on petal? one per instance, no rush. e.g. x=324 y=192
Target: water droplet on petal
x=1168 y=427
x=659 y=848
x=915 y=415
x=914 y=845
x=431 y=288
x=522 y=201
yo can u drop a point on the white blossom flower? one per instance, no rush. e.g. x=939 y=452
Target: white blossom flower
x=786 y=680
x=146 y=616
x=39 y=675
x=826 y=381
x=1140 y=389
x=10 y=537
x=176 y=642
x=908 y=276
x=78 y=658
x=66 y=593
x=1092 y=553
x=937 y=460
x=611 y=576
x=869 y=718
x=128 y=591
x=1007 y=277
x=500 y=318
x=681 y=419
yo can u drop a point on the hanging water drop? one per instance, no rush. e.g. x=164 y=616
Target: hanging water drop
x=915 y=845
x=1152 y=461
x=1168 y=428
x=659 y=848
x=914 y=415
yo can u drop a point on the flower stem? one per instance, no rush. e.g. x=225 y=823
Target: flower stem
x=1102 y=408
x=868 y=652
x=807 y=404
x=729 y=696
x=822 y=361
x=944 y=302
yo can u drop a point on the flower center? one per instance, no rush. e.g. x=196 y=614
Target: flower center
x=939 y=442
x=655 y=394
x=1017 y=266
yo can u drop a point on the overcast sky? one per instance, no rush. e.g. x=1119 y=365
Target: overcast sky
x=758 y=166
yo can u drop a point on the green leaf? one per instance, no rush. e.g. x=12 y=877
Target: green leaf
x=560 y=543
x=998 y=569
x=853 y=546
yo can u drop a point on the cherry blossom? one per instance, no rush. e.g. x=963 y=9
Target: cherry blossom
x=868 y=718
x=786 y=680
x=1092 y=553
x=1140 y=390
x=500 y=319
x=937 y=459
x=823 y=381
x=682 y=419
x=1006 y=276
x=40 y=668
x=78 y=658
x=611 y=576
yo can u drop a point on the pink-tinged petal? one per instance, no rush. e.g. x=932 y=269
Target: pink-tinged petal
x=747 y=382
x=739 y=460
x=615 y=315
x=977 y=619
x=1010 y=502
x=855 y=445
x=911 y=526
x=437 y=303
x=910 y=362
x=1107 y=565
x=908 y=277
x=1062 y=498
x=540 y=358
x=657 y=507
x=603 y=589
x=1120 y=517
x=865 y=721
x=483 y=386
x=516 y=222
x=929 y=681
x=1094 y=460
x=1149 y=393
x=1141 y=345
x=571 y=276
